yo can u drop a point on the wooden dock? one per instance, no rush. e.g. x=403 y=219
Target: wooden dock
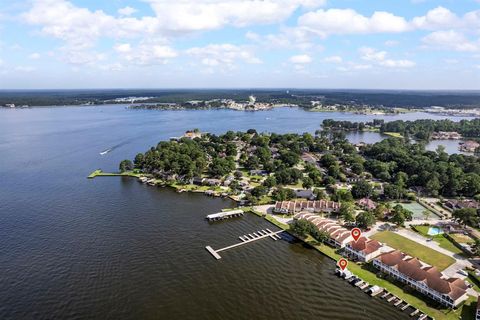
x=245 y=240
x=213 y=252
x=414 y=312
x=225 y=215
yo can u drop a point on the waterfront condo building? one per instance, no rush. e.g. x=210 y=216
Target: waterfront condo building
x=364 y=249
x=293 y=207
x=423 y=278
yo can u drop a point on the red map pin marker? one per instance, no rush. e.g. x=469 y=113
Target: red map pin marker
x=356 y=234
x=342 y=263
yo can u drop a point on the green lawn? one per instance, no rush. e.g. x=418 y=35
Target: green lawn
x=461 y=238
x=393 y=134
x=100 y=173
x=443 y=242
x=414 y=249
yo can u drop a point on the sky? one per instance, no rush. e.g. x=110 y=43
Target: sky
x=363 y=44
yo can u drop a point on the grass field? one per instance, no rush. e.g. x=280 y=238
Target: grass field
x=393 y=134
x=440 y=239
x=461 y=238
x=100 y=173
x=414 y=249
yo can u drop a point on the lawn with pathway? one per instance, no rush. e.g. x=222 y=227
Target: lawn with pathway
x=414 y=249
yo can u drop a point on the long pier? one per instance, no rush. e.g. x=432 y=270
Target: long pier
x=224 y=215
x=252 y=237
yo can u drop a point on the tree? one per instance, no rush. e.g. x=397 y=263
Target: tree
x=139 y=159
x=400 y=215
x=467 y=216
x=347 y=212
x=126 y=165
x=426 y=214
x=301 y=228
x=398 y=218
x=283 y=194
x=270 y=182
x=320 y=194
x=221 y=166
x=343 y=195
x=362 y=189
x=307 y=183
x=380 y=211
x=259 y=191
x=365 y=219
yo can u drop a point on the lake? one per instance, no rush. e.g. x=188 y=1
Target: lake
x=112 y=248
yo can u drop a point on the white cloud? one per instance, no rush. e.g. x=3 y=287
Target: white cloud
x=333 y=59
x=450 y=40
x=82 y=27
x=298 y=38
x=223 y=55
x=380 y=58
x=123 y=48
x=348 y=21
x=146 y=53
x=34 y=56
x=391 y=43
x=25 y=69
x=127 y=11
x=81 y=57
x=451 y=61
x=439 y=17
x=186 y=15
x=300 y=59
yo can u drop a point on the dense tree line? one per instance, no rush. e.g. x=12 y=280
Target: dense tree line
x=423 y=128
x=406 y=165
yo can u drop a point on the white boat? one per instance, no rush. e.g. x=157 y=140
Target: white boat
x=105 y=152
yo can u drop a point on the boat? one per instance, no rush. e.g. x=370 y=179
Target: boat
x=105 y=152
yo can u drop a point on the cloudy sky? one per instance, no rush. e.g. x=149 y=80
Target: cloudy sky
x=401 y=44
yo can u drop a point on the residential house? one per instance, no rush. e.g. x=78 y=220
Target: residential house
x=462 y=204
x=364 y=249
x=258 y=173
x=192 y=134
x=337 y=235
x=318 y=206
x=305 y=194
x=469 y=146
x=212 y=182
x=228 y=181
x=423 y=278
x=198 y=181
x=367 y=204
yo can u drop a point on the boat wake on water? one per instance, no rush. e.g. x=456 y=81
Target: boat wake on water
x=105 y=152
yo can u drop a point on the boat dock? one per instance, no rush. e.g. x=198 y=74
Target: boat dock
x=381 y=293
x=246 y=239
x=225 y=215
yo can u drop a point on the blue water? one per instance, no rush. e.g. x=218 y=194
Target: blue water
x=112 y=248
x=433 y=231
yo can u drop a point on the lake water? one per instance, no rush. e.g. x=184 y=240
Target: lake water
x=112 y=248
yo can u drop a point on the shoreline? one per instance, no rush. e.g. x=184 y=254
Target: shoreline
x=358 y=270
x=372 y=278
